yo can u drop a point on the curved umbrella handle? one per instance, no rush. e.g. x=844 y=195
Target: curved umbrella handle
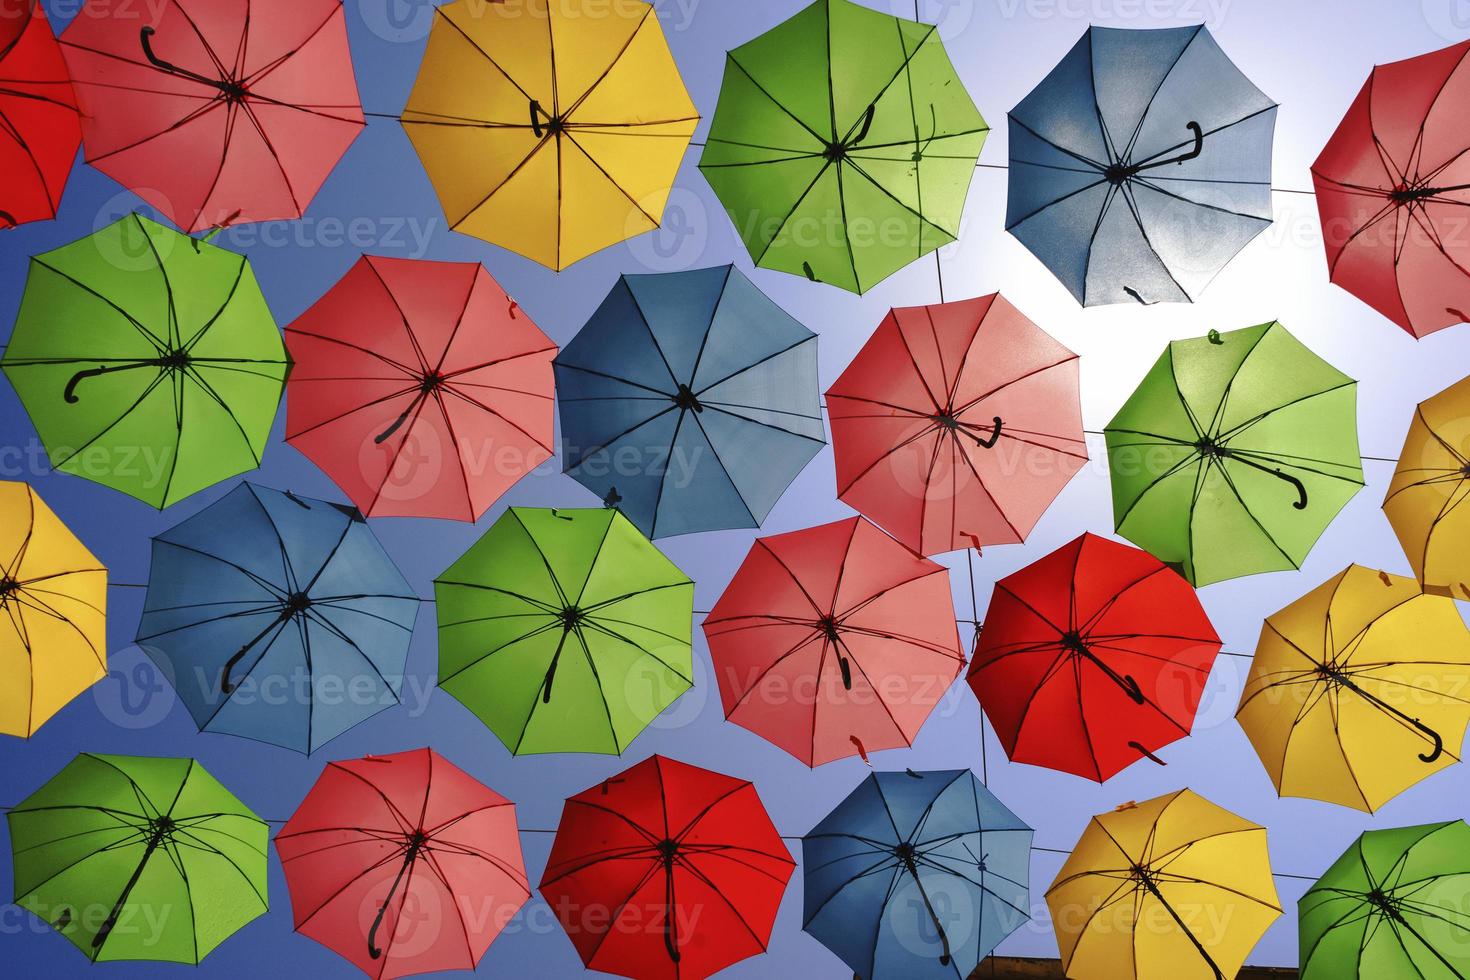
x=536 y=113
x=1131 y=688
x=1199 y=142
x=69 y=393
x=846 y=669
x=867 y=121
x=1146 y=753
x=147 y=32
x=1438 y=749
x=372 y=937
x=1301 y=490
x=807 y=268
x=989 y=443
x=8 y=219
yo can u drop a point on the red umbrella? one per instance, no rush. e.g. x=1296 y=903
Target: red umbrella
x=1092 y=658
x=957 y=425
x=666 y=871
x=834 y=641
x=1393 y=184
x=215 y=113
x=403 y=864
x=39 y=132
x=420 y=388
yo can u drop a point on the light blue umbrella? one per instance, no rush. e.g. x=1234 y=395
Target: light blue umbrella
x=1140 y=165
x=279 y=618
x=689 y=401
x=916 y=875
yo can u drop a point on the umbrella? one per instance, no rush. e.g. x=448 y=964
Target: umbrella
x=1234 y=454
x=420 y=388
x=1392 y=186
x=148 y=362
x=403 y=864
x=666 y=872
x=215 y=114
x=564 y=630
x=843 y=144
x=1357 y=689
x=1428 y=488
x=1092 y=658
x=53 y=612
x=550 y=129
x=1394 y=905
x=39 y=131
x=1140 y=165
x=957 y=425
x=834 y=641
x=1174 y=888
x=916 y=874
x=134 y=858
x=265 y=592
x=689 y=401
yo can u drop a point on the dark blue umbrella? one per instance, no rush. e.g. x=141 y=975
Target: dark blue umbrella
x=916 y=875
x=1140 y=165
x=279 y=618
x=689 y=401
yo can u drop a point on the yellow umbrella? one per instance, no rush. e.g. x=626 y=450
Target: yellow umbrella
x=1358 y=689
x=1174 y=888
x=1424 y=502
x=552 y=129
x=53 y=596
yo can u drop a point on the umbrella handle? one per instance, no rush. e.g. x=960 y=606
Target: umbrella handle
x=8 y=219
x=846 y=669
x=867 y=121
x=147 y=32
x=1146 y=753
x=807 y=268
x=372 y=937
x=1438 y=749
x=989 y=443
x=1301 y=491
x=536 y=113
x=1196 y=150
x=69 y=393
x=154 y=840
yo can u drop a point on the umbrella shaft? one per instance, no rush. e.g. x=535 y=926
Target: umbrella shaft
x=372 y=938
x=1153 y=890
x=111 y=920
x=913 y=871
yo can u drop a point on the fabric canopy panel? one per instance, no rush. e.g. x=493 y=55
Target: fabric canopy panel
x=689 y=401
x=1392 y=186
x=843 y=144
x=215 y=113
x=1140 y=165
x=957 y=425
x=420 y=388
x=39 y=129
x=550 y=129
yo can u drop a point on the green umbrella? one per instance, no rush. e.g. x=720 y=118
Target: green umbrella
x=564 y=630
x=136 y=858
x=147 y=360
x=1234 y=454
x=1396 y=904
x=843 y=144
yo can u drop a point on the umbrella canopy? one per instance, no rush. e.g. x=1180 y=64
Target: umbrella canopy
x=843 y=144
x=403 y=864
x=666 y=872
x=1174 y=888
x=689 y=401
x=1394 y=905
x=420 y=388
x=148 y=362
x=564 y=630
x=1357 y=689
x=1392 y=186
x=1234 y=454
x=39 y=130
x=916 y=875
x=264 y=592
x=834 y=641
x=957 y=425
x=134 y=858
x=1140 y=165
x=1092 y=658
x=53 y=613
x=1428 y=488
x=550 y=129
x=215 y=113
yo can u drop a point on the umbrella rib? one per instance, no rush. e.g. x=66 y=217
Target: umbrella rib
x=143 y=331
x=730 y=58
x=757 y=363
x=638 y=205
x=627 y=43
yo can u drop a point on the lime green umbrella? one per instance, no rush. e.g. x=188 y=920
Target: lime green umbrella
x=564 y=630
x=843 y=144
x=135 y=858
x=148 y=360
x=1396 y=904
x=1234 y=454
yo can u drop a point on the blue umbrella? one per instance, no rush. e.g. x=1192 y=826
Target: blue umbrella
x=278 y=617
x=916 y=875
x=689 y=401
x=1140 y=165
